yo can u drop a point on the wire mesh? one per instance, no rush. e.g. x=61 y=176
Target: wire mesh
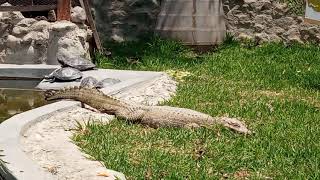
x=36 y=2
x=29 y=2
x=44 y=2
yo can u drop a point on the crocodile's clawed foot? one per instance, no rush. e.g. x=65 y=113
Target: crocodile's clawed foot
x=192 y=126
x=48 y=94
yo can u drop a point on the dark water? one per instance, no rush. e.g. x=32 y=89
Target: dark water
x=17 y=96
x=15 y=101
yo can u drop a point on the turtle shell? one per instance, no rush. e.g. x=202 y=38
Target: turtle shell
x=89 y=82
x=107 y=82
x=65 y=74
x=79 y=63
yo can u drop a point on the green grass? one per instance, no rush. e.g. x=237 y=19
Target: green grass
x=273 y=88
x=297 y=6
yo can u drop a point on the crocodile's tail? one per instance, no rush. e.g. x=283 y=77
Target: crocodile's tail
x=75 y=93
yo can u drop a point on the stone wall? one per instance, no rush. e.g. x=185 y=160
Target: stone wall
x=267 y=20
x=30 y=41
x=258 y=20
x=121 y=20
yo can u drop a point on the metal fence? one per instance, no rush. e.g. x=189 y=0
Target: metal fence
x=32 y=5
x=36 y=2
x=29 y=2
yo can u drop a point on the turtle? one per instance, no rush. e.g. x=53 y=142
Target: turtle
x=79 y=63
x=107 y=82
x=89 y=82
x=64 y=74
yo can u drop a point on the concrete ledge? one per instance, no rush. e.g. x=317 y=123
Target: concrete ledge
x=127 y=79
x=10 y=131
x=26 y=71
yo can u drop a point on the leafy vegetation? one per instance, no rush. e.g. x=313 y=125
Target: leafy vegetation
x=273 y=88
x=297 y=6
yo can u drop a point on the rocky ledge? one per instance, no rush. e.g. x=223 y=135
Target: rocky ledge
x=38 y=41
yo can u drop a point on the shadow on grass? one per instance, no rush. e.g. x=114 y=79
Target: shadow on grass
x=150 y=51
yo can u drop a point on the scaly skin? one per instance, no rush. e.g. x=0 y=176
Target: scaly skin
x=153 y=116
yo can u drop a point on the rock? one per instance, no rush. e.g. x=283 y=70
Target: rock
x=285 y=22
x=52 y=16
x=263 y=19
x=275 y=30
x=13 y=16
x=117 y=38
x=300 y=19
x=295 y=39
x=283 y=7
x=67 y=40
x=274 y=38
x=41 y=38
x=245 y=37
x=243 y=18
x=12 y=41
x=262 y=4
x=261 y=37
x=40 y=25
x=267 y=21
x=259 y=27
x=293 y=34
x=249 y=1
x=41 y=18
x=28 y=38
x=18 y=31
x=78 y=15
x=28 y=41
x=63 y=26
x=26 y=22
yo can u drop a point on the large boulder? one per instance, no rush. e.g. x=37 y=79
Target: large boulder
x=78 y=15
x=67 y=40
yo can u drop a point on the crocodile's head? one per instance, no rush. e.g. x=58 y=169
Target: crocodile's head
x=236 y=125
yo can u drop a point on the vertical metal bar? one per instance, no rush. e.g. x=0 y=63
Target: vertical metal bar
x=64 y=10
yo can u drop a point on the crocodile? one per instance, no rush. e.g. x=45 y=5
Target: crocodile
x=152 y=116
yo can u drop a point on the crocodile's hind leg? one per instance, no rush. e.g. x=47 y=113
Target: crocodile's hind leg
x=83 y=105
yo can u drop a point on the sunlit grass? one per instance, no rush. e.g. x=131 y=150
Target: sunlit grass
x=273 y=88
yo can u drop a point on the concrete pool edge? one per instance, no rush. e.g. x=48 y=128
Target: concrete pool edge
x=35 y=71
x=19 y=164
x=11 y=130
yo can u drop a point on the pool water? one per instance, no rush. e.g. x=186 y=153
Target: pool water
x=15 y=101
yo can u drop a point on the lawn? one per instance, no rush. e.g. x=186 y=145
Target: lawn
x=273 y=88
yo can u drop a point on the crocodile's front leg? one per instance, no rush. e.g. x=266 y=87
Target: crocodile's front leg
x=130 y=113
